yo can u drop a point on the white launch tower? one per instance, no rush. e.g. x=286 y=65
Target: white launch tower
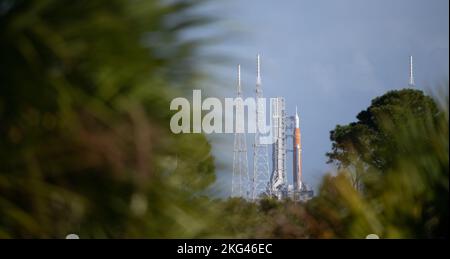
x=278 y=180
x=262 y=183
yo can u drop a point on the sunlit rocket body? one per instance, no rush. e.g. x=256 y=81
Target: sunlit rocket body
x=297 y=154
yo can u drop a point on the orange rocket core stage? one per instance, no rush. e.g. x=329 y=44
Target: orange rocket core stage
x=298 y=159
x=297 y=137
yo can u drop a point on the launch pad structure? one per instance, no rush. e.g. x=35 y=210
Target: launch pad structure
x=287 y=140
x=287 y=130
x=265 y=181
x=240 y=185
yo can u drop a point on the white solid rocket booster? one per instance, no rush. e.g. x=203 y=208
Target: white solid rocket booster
x=297 y=154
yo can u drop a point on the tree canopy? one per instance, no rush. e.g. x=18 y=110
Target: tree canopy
x=393 y=169
x=369 y=140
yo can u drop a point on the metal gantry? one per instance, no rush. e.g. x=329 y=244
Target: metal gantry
x=240 y=179
x=278 y=180
x=285 y=131
x=261 y=175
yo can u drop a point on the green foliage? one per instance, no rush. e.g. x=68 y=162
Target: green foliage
x=85 y=148
x=405 y=181
x=267 y=218
x=408 y=199
x=370 y=139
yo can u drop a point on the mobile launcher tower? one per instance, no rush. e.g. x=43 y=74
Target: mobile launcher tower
x=284 y=128
x=262 y=182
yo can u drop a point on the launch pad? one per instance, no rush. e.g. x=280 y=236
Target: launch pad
x=270 y=181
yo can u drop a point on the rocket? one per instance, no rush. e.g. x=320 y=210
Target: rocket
x=297 y=172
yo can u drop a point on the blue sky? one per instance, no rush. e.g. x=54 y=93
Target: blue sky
x=328 y=57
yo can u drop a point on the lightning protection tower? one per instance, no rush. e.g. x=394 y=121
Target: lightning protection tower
x=240 y=180
x=261 y=175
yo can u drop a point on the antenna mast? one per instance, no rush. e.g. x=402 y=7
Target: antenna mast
x=261 y=175
x=240 y=179
x=411 y=72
